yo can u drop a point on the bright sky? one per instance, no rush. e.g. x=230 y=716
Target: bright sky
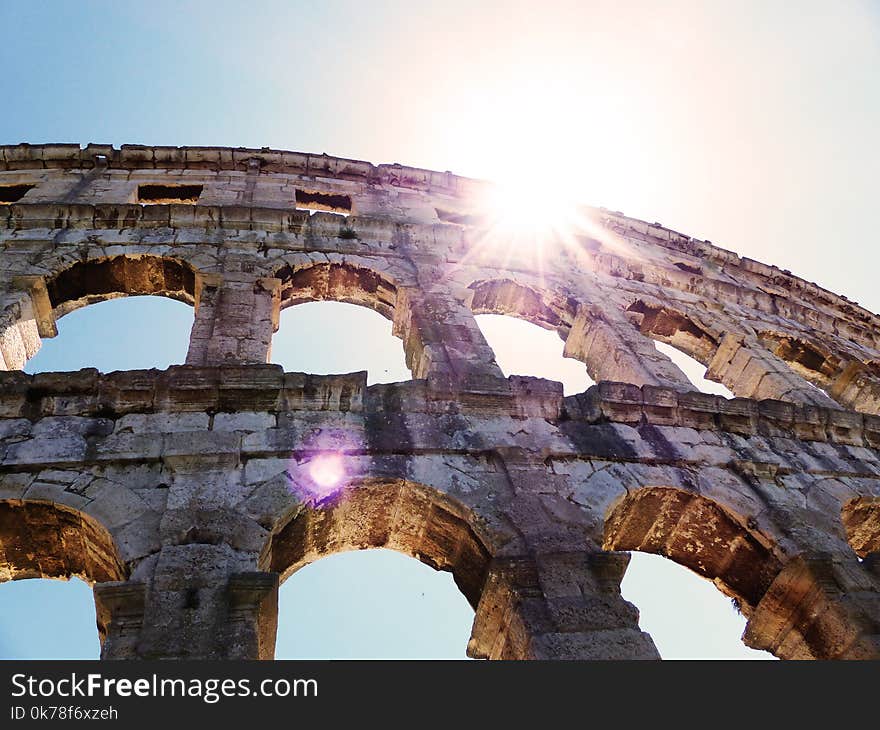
x=752 y=124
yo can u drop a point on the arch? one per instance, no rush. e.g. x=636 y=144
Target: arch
x=95 y=280
x=520 y=347
x=35 y=303
x=400 y=515
x=814 y=362
x=505 y=296
x=685 y=614
x=674 y=327
x=49 y=540
x=341 y=282
x=534 y=306
x=342 y=338
x=699 y=534
x=375 y=603
x=861 y=519
x=125 y=333
x=693 y=369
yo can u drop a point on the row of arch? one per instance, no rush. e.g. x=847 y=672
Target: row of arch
x=46 y=540
x=821 y=365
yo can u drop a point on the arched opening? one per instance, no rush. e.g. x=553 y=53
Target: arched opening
x=337 y=319
x=693 y=369
x=149 y=330
x=687 y=617
x=94 y=281
x=684 y=341
x=372 y=603
x=334 y=337
x=400 y=516
x=526 y=329
x=524 y=348
x=121 y=334
x=337 y=282
x=503 y=296
x=697 y=534
x=814 y=363
x=42 y=540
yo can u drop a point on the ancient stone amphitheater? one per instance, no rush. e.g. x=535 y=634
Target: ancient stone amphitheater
x=186 y=495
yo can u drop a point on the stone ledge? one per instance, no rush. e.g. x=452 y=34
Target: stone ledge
x=630 y=404
x=184 y=388
x=189 y=388
x=140 y=157
x=180 y=388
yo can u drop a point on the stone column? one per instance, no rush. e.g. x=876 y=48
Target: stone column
x=25 y=317
x=558 y=606
x=236 y=315
x=252 y=616
x=119 y=609
x=190 y=609
x=750 y=370
x=820 y=607
x=612 y=349
x=443 y=342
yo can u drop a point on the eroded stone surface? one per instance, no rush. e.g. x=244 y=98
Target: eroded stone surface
x=185 y=495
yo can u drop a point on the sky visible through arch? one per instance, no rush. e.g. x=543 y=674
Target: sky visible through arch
x=751 y=124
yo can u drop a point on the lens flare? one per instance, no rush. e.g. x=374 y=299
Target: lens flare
x=327 y=472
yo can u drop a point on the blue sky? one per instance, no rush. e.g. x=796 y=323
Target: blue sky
x=751 y=124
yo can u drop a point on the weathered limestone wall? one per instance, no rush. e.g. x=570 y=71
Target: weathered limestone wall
x=186 y=495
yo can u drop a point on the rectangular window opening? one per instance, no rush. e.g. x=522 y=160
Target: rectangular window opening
x=168 y=194
x=13 y=193
x=332 y=202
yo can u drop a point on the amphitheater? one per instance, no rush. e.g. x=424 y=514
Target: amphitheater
x=185 y=496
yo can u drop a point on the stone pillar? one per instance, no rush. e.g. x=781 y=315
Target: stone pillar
x=612 y=349
x=191 y=608
x=558 y=606
x=252 y=616
x=443 y=342
x=750 y=370
x=820 y=607
x=236 y=315
x=119 y=610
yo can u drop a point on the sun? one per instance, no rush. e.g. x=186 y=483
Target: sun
x=521 y=224
x=513 y=209
x=551 y=142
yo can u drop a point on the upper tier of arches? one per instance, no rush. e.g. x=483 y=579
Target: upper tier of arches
x=690 y=257
x=170 y=221
x=611 y=332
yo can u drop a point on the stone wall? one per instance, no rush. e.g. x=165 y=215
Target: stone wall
x=186 y=495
